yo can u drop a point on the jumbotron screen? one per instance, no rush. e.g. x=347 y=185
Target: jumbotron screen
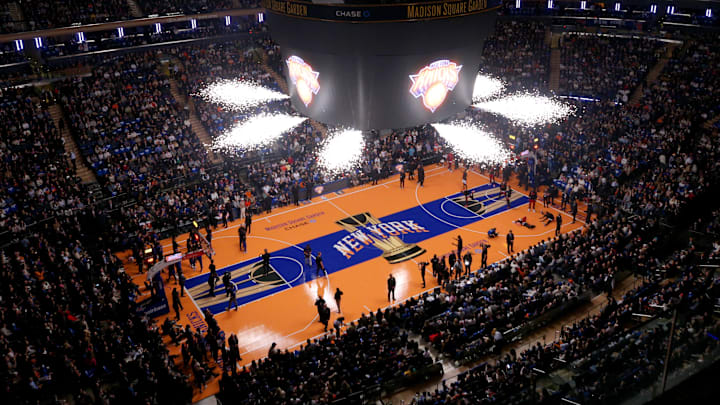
x=384 y=74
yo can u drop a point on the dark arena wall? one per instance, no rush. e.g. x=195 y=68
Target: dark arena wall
x=381 y=66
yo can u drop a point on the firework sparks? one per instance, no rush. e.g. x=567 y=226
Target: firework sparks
x=473 y=143
x=485 y=87
x=239 y=94
x=258 y=131
x=341 y=151
x=527 y=109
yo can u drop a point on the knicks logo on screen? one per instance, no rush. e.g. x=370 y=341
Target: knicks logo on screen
x=304 y=78
x=434 y=81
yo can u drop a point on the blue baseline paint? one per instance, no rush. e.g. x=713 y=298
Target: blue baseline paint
x=335 y=261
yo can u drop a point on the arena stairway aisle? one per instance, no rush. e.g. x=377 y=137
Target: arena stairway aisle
x=82 y=170
x=548 y=36
x=653 y=74
x=16 y=15
x=135 y=9
x=544 y=335
x=709 y=123
x=554 y=83
x=319 y=128
x=275 y=75
x=195 y=123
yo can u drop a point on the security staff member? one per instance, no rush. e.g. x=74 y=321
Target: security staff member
x=266 y=262
x=391 y=286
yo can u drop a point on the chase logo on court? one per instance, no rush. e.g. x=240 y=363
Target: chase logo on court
x=366 y=230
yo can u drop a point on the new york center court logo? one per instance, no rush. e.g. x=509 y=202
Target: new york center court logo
x=434 y=81
x=304 y=78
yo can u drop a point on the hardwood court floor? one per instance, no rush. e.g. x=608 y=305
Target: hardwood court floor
x=286 y=315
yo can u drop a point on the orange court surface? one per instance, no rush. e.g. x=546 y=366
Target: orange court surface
x=400 y=228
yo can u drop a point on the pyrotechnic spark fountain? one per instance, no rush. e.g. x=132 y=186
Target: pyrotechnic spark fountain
x=257 y=131
x=239 y=94
x=341 y=151
x=527 y=109
x=473 y=143
x=486 y=86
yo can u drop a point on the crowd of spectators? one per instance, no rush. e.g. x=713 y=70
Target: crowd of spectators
x=605 y=67
x=70 y=329
x=9 y=55
x=139 y=142
x=518 y=53
x=274 y=180
x=202 y=65
x=192 y=6
x=40 y=15
x=106 y=40
x=635 y=186
x=660 y=143
x=370 y=351
x=709 y=225
x=636 y=17
x=634 y=164
x=38 y=180
x=544 y=277
x=6 y=18
x=611 y=354
x=131 y=131
x=44 y=14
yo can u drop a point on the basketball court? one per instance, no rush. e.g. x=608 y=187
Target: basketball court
x=364 y=234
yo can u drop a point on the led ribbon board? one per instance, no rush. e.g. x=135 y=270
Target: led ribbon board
x=304 y=78
x=434 y=81
x=366 y=71
x=372 y=13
